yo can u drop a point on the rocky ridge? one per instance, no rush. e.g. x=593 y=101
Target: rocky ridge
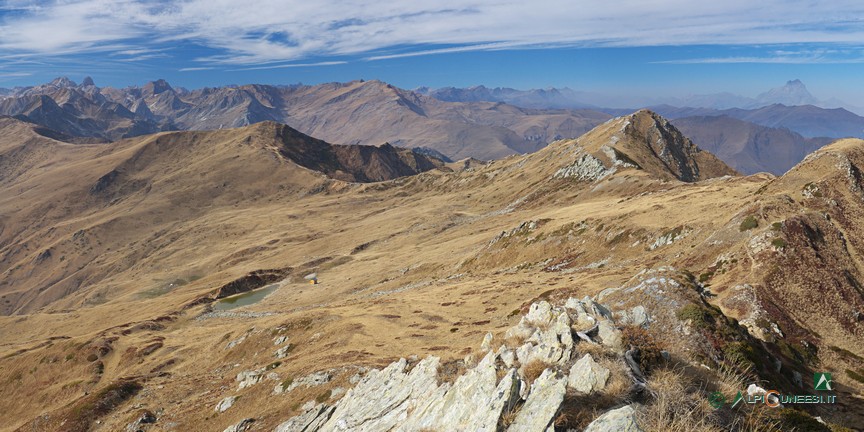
x=503 y=391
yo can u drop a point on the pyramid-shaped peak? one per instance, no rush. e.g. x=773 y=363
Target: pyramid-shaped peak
x=88 y=81
x=794 y=93
x=650 y=142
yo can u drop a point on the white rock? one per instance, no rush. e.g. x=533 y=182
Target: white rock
x=539 y=313
x=542 y=404
x=381 y=400
x=235 y=342
x=609 y=335
x=587 y=376
x=226 y=403
x=639 y=316
x=618 y=420
x=754 y=389
x=312 y=380
x=240 y=427
x=250 y=378
x=279 y=340
x=507 y=356
x=310 y=420
x=283 y=352
x=473 y=402
x=486 y=345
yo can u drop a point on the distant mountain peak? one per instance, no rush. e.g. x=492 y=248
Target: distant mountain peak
x=63 y=82
x=88 y=81
x=792 y=94
x=157 y=87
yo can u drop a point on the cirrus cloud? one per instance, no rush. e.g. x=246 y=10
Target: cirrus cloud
x=271 y=32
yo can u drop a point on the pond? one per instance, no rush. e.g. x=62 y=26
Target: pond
x=245 y=299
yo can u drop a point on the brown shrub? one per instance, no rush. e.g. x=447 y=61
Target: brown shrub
x=649 y=348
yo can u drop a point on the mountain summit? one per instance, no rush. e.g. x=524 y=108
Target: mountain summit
x=792 y=94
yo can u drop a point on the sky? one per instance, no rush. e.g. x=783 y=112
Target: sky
x=623 y=48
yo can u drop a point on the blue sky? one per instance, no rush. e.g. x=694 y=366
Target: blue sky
x=625 y=48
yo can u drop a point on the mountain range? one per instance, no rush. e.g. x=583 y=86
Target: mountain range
x=793 y=93
x=256 y=278
x=450 y=124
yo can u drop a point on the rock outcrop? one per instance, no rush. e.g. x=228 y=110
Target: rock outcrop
x=619 y=420
x=495 y=394
x=225 y=404
x=587 y=376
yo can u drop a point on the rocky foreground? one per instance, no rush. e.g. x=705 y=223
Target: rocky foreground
x=579 y=365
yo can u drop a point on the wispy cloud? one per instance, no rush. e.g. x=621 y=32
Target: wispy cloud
x=803 y=56
x=292 y=65
x=195 y=69
x=273 y=31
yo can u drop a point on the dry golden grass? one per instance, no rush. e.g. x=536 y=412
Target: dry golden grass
x=679 y=403
x=533 y=370
x=595 y=349
x=509 y=415
x=619 y=385
x=676 y=405
x=400 y=294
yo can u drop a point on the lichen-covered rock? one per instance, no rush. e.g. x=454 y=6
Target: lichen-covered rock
x=474 y=402
x=636 y=317
x=618 y=420
x=587 y=376
x=610 y=336
x=547 y=393
x=250 y=378
x=550 y=340
x=381 y=400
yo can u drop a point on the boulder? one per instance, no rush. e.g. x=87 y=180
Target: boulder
x=544 y=399
x=539 y=314
x=551 y=340
x=311 y=420
x=226 y=403
x=242 y=426
x=279 y=340
x=250 y=378
x=486 y=345
x=474 y=402
x=235 y=342
x=587 y=376
x=618 y=420
x=283 y=352
x=312 y=380
x=381 y=400
x=610 y=336
x=144 y=417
